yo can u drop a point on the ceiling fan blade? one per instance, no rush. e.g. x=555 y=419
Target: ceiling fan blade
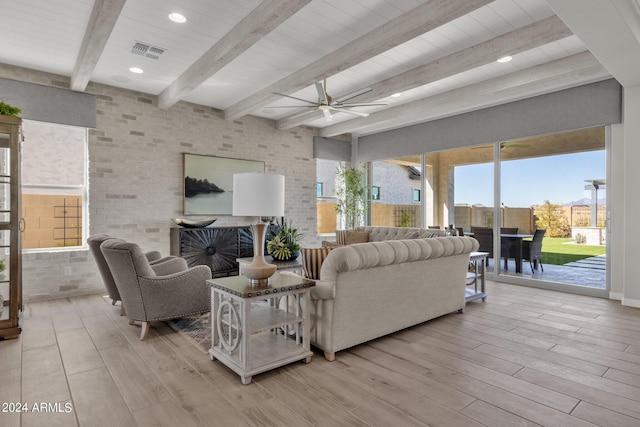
x=299 y=99
x=292 y=106
x=322 y=95
x=368 y=104
x=352 y=95
x=345 y=110
x=302 y=113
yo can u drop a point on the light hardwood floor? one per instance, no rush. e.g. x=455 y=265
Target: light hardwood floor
x=524 y=357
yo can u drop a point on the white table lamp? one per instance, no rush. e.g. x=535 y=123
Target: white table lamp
x=258 y=194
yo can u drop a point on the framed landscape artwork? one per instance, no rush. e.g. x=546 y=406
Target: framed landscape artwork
x=208 y=182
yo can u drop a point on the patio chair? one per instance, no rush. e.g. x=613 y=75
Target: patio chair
x=484 y=236
x=147 y=296
x=507 y=246
x=532 y=250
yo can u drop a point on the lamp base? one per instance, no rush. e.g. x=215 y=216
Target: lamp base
x=259 y=270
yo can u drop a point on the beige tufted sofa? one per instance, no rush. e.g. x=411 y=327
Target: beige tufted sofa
x=368 y=290
x=378 y=234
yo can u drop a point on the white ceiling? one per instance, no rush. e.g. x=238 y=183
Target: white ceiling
x=220 y=59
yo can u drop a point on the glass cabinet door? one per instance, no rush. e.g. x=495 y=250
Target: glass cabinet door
x=10 y=262
x=5 y=275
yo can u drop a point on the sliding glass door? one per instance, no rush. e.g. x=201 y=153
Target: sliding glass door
x=555 y=183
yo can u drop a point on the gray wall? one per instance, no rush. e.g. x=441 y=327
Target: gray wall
x=135 y=175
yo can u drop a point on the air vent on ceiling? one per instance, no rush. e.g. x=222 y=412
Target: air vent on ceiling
x=147 y=50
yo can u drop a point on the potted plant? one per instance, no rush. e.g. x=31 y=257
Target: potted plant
x=352 y=196
x=8 y=110
x=284 y=244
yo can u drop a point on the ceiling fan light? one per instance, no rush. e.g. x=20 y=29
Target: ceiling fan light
x=177 y=17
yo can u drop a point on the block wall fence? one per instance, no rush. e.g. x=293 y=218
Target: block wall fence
x=135 y=175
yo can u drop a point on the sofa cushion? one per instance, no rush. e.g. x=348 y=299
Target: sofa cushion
x=312 y=259
x=330 y=245
x=349 y=237
x=420 y=234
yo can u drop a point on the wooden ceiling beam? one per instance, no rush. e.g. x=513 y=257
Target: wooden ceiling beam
x=261 y=21
x=407 y=26
x=103 y=19
x=560 y=74
x=531 y=36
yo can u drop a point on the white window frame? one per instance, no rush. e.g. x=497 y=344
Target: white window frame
x=85 y=201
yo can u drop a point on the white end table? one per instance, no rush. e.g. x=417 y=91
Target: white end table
x=250 y=333
x=479 y=262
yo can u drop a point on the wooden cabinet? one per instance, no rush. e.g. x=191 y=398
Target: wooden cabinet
x=10 y=249
x=217 y=247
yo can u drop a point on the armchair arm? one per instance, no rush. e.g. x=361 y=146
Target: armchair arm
x=169 y=265
x=162 y=259
x=153 y=256
x=178 y=294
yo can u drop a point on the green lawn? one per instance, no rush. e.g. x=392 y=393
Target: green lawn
x=560 y=251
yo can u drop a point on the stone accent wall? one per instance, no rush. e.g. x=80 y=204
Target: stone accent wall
x=135 y=175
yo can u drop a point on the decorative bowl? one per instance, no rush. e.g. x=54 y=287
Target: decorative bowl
x=194 y=223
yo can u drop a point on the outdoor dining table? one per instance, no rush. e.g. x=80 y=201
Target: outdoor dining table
x=516 y=239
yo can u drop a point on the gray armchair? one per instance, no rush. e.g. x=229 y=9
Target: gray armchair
x=147 y=296
x=161 y=265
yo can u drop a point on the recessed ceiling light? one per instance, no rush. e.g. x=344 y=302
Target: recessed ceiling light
x=396 y=95
x=505 y=59
x=177 y=17
x=136 y=70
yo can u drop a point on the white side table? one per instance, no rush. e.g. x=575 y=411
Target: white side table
x=476 y=277
x=247 y=323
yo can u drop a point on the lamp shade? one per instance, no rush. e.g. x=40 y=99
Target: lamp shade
x=258 y=194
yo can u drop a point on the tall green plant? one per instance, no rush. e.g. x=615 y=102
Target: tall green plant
x=352 y=196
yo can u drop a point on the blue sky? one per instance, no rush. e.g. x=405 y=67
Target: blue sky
x=559 y=179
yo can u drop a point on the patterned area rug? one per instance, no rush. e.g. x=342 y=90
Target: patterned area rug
x=196 y=329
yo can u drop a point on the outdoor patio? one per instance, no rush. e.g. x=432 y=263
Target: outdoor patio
x=588 y=272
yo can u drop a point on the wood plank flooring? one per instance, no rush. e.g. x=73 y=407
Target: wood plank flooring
x=525 y=357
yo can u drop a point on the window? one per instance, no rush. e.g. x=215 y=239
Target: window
x=325 y=193
x=54 y=185
x=416 y=195
x=375 y=193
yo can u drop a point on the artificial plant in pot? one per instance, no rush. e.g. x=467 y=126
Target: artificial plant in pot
x=284 y=244
x=352 y=196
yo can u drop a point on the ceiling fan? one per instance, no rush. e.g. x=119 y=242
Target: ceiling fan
x=326 y=104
